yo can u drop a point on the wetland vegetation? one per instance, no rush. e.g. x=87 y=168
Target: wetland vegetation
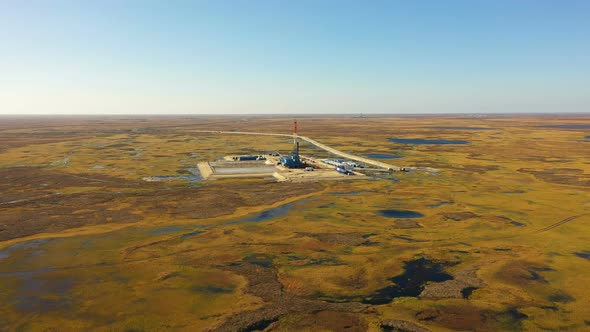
x=495 y=239
x=423 y=141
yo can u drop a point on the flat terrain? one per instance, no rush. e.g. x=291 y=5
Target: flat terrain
x=497 y=239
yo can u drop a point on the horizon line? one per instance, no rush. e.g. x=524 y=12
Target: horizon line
x=360 y=114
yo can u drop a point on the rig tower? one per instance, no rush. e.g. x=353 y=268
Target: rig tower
x=295 y=142
x=294 y=131
x=293 y=160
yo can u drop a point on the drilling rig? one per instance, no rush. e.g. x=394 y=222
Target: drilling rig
x=293 y=160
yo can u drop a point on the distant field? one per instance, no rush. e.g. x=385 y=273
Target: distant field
x=496 y=240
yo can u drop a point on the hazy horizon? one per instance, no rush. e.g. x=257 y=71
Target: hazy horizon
x=305 y=57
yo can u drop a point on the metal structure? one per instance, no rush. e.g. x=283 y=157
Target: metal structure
x=295 y=132
x=293 y=160
x=248 y=158
x=343 y=170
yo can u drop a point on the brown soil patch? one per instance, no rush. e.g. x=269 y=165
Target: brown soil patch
x=396 y=325
x=471 y=318
x=463 y=279
x=348 y=239
x=18 y=183
x=459 y=216
x=324 y=321
x=17 y=140
x=568 y=176
x=405 y=224
x=55 y=213
x=32 y=202
x=520 y=273
x=263 y=283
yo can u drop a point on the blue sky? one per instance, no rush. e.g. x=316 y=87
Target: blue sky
x=217 y=57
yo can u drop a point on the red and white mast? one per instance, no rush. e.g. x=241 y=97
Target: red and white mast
x=295 y=131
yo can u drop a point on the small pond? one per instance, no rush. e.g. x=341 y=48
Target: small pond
x=400 y=214
x=165 y=230
x=277 y=212
x=411 y=283
x=350 y=193
x=439 y=204
x=382 y=156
